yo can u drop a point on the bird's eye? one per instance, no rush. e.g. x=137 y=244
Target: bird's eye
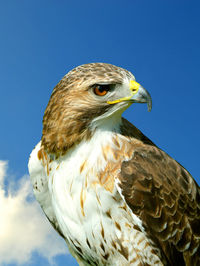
x=101 y=90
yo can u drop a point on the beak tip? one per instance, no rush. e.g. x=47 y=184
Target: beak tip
x=149 y=106
x=149 y=101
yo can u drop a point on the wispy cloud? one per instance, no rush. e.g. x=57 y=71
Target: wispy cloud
x=23 y=227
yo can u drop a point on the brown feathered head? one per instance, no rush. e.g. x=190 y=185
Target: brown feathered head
x=88 y=96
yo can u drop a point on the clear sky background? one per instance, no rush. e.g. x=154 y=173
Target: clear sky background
x=40 y=41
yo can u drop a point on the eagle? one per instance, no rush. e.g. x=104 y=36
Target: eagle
x=109 y=191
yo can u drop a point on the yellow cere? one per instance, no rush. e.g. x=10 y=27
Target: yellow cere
x=134 y=87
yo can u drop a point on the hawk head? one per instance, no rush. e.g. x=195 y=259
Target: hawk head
x=88 y=96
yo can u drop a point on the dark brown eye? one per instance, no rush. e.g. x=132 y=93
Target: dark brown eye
x=101 y=90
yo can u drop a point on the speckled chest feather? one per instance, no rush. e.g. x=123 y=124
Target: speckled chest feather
x=89 y=209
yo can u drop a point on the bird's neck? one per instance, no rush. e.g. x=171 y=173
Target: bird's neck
x=59 y=141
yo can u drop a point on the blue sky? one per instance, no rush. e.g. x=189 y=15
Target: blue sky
x=157 y=40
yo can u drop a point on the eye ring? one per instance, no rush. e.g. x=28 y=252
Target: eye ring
x=101 y=90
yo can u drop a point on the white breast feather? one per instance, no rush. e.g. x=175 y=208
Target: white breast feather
x=60 y=194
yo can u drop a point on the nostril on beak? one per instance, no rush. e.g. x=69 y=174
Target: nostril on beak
x=134 y=86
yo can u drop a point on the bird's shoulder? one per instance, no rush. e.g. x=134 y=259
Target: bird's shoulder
x=39 y=168
x=163 y=194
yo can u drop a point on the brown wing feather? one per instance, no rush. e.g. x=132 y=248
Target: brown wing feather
x=165 y=196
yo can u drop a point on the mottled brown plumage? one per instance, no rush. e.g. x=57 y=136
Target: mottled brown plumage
x=165 y=196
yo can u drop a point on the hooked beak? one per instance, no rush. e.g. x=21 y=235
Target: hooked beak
x=137 y=94
x=140 y=94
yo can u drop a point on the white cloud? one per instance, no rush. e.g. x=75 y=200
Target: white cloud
x=23 y=227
